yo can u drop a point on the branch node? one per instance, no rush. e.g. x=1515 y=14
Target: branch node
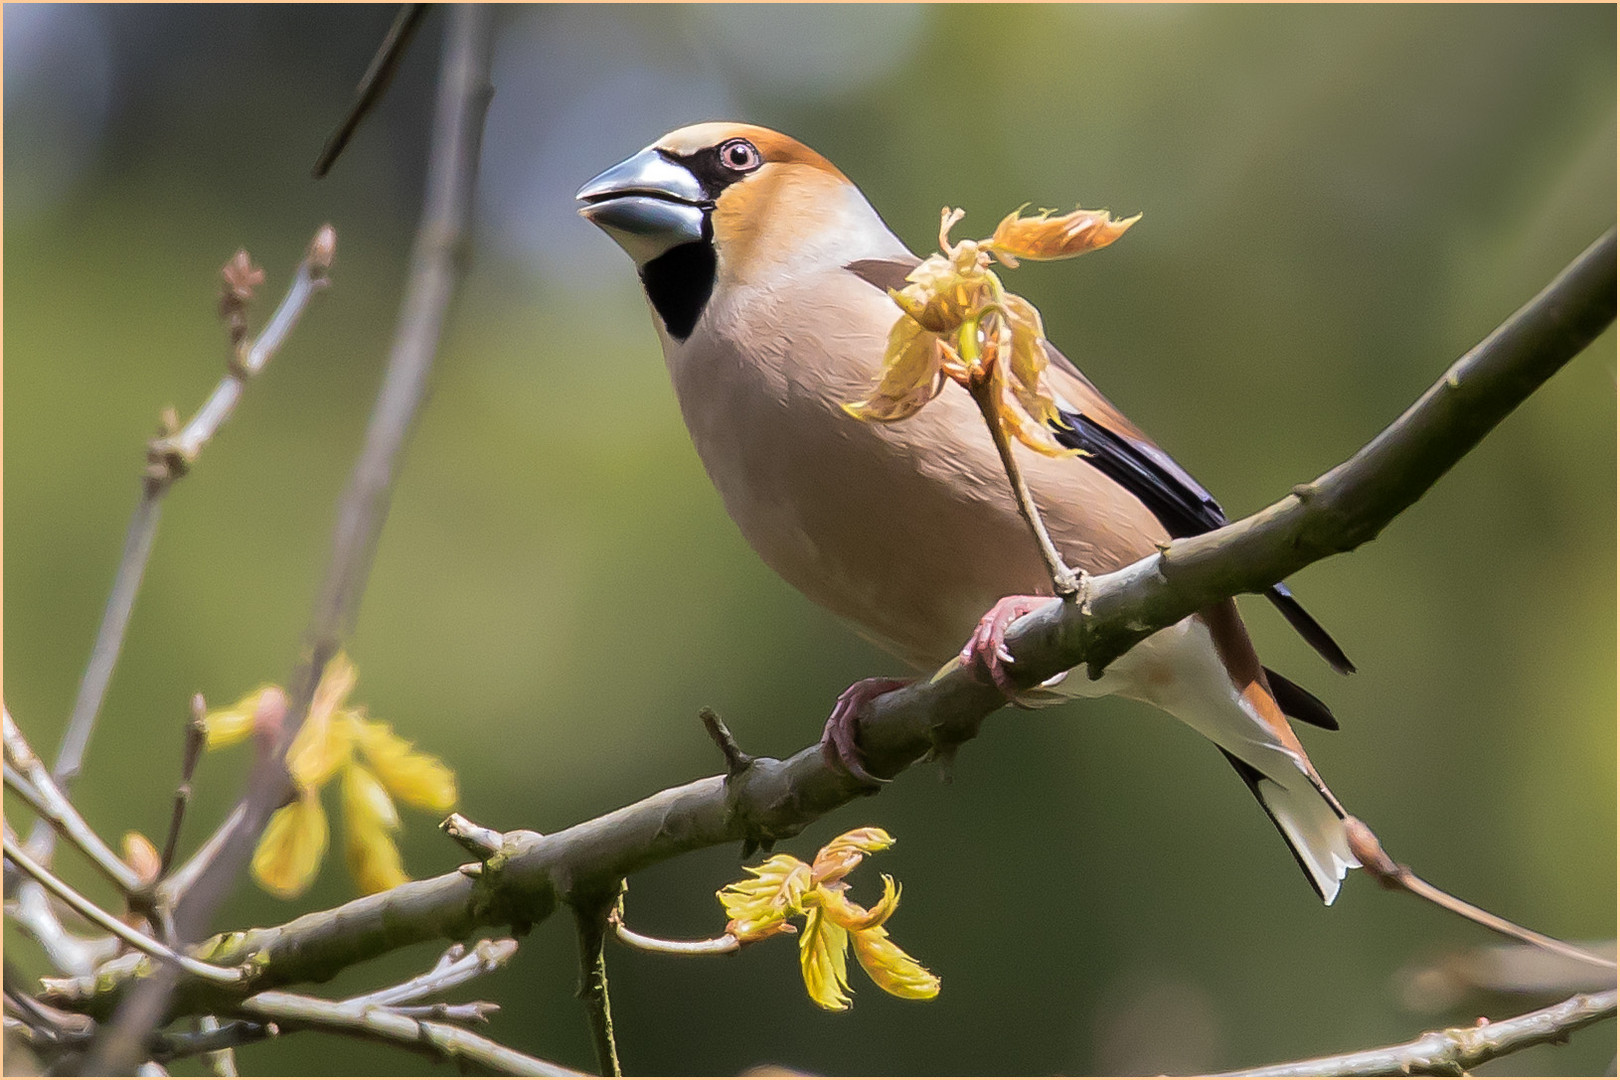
x=737 y=762
x=1365 y=847
x=475 y=839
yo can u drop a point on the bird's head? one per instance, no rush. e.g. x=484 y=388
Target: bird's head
x=724 y=203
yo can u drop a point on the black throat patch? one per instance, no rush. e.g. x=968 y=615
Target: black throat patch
x=679 y=282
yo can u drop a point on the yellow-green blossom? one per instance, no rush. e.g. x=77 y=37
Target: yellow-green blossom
x=784 y=888
x=957 y=322
x=377 y=767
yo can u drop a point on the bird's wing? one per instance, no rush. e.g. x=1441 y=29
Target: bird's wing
x=1124 y=453
x=1183 y=506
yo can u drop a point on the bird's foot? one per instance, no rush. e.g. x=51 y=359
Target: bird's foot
x=987 y=647
x=839 y=737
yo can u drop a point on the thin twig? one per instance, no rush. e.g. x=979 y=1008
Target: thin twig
x=68 y=952
x=467 y=1012
x=1393 y=875
x=458 y=965
x=590 y=923
x=437 y=258
x=1065 y=582
x=170 y=456
x=373 y=83
x=174 y=887
x=724 y=945
x=40 y=791
x=148 y=945
x=437 y=1040
x=1454 y=1051
x=196 y=738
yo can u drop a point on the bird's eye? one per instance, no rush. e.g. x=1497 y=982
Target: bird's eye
x=739 y=156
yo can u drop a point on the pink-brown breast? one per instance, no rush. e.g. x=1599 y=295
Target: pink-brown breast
x=909 y=530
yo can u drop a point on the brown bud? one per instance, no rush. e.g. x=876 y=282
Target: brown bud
x=240 y=278
x=142 y=857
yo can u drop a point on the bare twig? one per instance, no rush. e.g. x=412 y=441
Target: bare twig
x=1393 y=875
x=169 y=456
x=458 y=965
x=196 y=738
x=373 y=84
x=438 y=1040
x=1454 y=1051
x=590 y=923
x=148 y=945
x=436 y=262
x=39 y=790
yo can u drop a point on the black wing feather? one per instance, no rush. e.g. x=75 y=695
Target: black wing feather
x=1182 y=505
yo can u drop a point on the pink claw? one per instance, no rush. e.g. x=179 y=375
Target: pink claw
x=988 y=648
x=838 y=738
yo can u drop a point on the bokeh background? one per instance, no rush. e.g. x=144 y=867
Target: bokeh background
x=1337 y=203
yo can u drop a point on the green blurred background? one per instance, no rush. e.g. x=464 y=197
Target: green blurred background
x=1337 y=203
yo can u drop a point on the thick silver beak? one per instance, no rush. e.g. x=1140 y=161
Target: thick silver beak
x=647 y=204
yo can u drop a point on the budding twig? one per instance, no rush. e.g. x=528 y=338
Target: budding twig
x=476 y=839
x=168 y=457
x=196 y=738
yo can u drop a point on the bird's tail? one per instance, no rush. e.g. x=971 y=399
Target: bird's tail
x=1250 y=729
x=1309 y=819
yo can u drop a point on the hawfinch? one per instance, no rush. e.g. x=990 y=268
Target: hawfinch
x=768 y=273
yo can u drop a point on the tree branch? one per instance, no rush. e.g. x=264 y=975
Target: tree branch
x=437 y=1040
x=768 y=798
x=1454 y=1051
